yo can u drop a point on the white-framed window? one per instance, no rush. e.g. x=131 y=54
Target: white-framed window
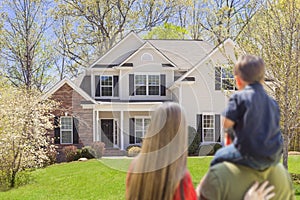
x=208 y=128
x=141 y=126
x=227 y=78
x=106 y=86
x=147 y=84
x=66 y=130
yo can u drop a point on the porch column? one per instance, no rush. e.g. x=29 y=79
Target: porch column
x=94 y=127
x=97 y=126
x=122 y=129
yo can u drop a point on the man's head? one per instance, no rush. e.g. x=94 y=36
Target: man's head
x=249 y=69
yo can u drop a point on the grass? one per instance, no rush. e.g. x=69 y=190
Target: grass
x=104 y=179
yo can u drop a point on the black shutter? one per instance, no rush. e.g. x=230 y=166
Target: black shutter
x=199 y=126
x=116 y=86
x=217 y=128
x=131 y=84
x=131 y=131
x=217 y=78
x=75 y=131
x=56 y=130
x=97 y=86
x=162 y=85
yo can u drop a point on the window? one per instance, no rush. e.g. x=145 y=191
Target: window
x=208 y=128
x=106 y=86
x=147 y=57
x=66 y=130
x=147 y=84
x=227 y=79
x=141 y=125
x=224 y=78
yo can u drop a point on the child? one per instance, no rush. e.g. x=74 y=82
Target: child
x=254 y=117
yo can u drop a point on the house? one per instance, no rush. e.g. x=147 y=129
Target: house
x=113 y=100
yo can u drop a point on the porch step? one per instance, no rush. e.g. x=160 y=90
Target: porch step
x=114 y=152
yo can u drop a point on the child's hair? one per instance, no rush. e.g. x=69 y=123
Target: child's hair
x=250 y=68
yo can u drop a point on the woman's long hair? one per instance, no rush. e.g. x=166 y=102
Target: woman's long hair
x=159 y=168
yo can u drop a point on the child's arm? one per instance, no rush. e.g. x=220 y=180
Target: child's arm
x=227 y=123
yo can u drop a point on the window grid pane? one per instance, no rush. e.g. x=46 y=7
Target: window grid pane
x=106 y=80
x=227 y=79
x=153 y=80
x=153 y=90
x=66 y=137
x=106 y=91
x=141 y=90
x=140 y=79
x=66 y=123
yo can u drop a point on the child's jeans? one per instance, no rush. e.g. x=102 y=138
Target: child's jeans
x=231 y=153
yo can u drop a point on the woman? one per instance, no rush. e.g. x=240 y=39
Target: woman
x=159 y=172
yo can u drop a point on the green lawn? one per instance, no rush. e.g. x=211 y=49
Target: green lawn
x=104 y=179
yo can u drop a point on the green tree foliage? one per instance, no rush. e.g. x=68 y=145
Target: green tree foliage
x=216 y=20
x=167 y=31
x=274 y=35
x=24 y=121
x=25 y=54
x=91 y=27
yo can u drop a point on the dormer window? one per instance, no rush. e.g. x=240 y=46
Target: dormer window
x=147 y=57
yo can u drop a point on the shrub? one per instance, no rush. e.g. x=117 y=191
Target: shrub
x=85 y=152
x=193 y=141
x=51 y=155
x=133 y=151
x=97 y=149
x=132 y=145
x=209 y=149
x=70 y=153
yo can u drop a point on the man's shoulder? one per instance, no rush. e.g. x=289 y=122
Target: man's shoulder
x=229 y=169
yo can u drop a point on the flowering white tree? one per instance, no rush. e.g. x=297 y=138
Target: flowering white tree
x=24 y=121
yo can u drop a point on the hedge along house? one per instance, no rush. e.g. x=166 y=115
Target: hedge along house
x=113 y=100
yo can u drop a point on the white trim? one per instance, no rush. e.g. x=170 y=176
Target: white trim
x=122 y=129
x=93 y=90
x=72 y=85
x=98 y=135
x=111 y=106
x=203 y=60
x=115 y=46
x=94 y=126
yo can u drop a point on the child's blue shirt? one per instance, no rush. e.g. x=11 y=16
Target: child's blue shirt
x=256 y=116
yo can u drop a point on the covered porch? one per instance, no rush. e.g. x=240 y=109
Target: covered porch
x=121 y=124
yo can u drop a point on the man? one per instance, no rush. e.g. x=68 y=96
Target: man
x=228 y=181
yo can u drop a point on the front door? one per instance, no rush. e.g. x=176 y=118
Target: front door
x=107 y=132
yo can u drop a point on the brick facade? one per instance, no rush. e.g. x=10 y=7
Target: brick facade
x=70 y=101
